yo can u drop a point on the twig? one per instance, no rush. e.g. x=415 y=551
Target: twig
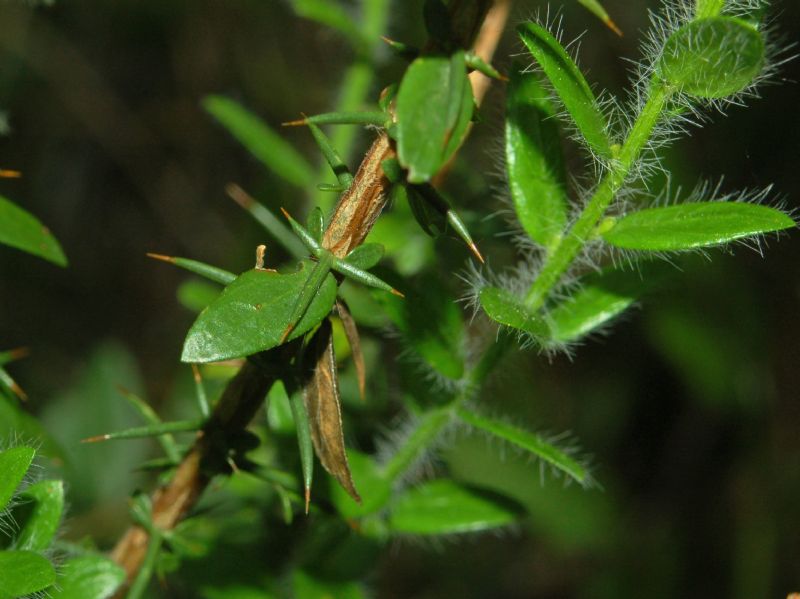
x=352 y=220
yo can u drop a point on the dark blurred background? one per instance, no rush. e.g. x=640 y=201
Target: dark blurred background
x=690 y=406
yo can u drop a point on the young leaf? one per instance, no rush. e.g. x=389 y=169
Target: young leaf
x=304 y=443
x=569 y=84
x=88 y=577
x=445 y=507
x=601 y=297
x=366 y=255
x=530 y=442
x=24 y=572
x=252 y=314
x=22 y=230
x=324 y=409
x=14 y=463
x=713 y=57
x=151 y=430
x=434 y=108
x=266 y=145
x=316 y=224
x=504 y=308
x=41 y=524
x=534 y=159
x=694 y=225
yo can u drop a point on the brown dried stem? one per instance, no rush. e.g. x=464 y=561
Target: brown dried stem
x=352 y=220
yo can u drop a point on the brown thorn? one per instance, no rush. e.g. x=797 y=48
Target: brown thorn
x=96 y=439
x=161 y=257
x=397 y=293
x=474 y=249
x=296 y=123
x=19 y=352
x=285 y=213
x=19 y=392
x=308 y=498
x=613 y=27
x=10 y=174
x=239 y=195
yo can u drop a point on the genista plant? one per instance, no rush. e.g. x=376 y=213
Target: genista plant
x=317 y=335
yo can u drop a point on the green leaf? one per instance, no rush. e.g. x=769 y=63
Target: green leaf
x=14 y=463
x=41 y=524
x=151 y=430
x=694 y=225
x=600 y=12
x=252 y=314
x=530 y=442
x=431 y=322
x=445 y=507
x=713 y=57
x=266 y=145
x=569 y=84
x=24 y=572
x=23 y=231
x=434 y=108
x=330 y=14
x=365 y=256
x=503 y=307
x=534 y=159
x=88 y=577
x=601 y=297
x=212 y=273
x=304 y=586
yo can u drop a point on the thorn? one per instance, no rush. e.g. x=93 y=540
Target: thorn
x=308 y=498
x=239 y=195
x=161 y=257
x=296 y=123
x=503 y=78
x=474 y=249
x=18 y=391
x=233 y=465
x=397 y=293
x=286 y=333
x=19 y=352
x=196 y=372
x=96 y=439
x=286 y=214
x=613 y=27
x=9 y=174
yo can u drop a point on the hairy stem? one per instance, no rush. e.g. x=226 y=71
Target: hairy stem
x=562 y=256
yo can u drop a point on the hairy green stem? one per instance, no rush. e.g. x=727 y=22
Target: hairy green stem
x=573 y=241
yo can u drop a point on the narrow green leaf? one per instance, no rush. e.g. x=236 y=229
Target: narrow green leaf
x=9 y=386
x=147 y=569
x=212 y=273
x=602 y=297
x=43 y=517
x=506 y=309
x=445 y=507
x=166 y=441
x=343 y=175
x=252 y=314
x=24 y=572
x=713 y=57
x=14 y=463
x=279 y=411
x=432 y=324
x=694 y=225
x=266 y=145
x=434 y=108
x=530 y=442
x=331 y=14
x=343 y=118
x=152 y=430
x=534 y=159
x=88 y=577
x=304 y=443
x=570 y=85
x=316 y=224
x=366 y=255
x=22 y=230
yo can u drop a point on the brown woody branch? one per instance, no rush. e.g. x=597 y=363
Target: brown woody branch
x=352 y=220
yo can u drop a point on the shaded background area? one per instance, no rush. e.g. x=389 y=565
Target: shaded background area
x=689 y=407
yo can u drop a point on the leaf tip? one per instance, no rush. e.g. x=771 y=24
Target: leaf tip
x=397 y=293
x=476 y=252
x=307 y=498
x=9 y=174
x=96 y=439
x=239 y=195
x=161 y=257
